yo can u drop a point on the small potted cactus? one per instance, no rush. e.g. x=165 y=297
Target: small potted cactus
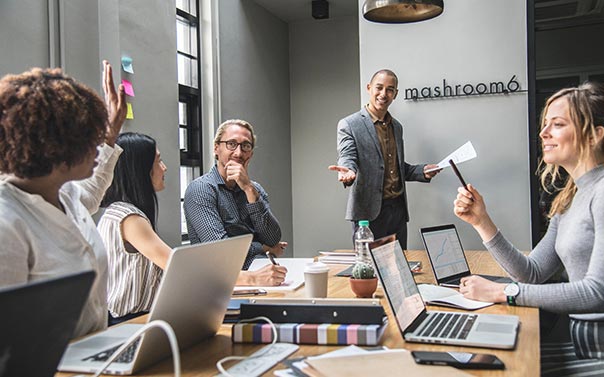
x=363 y=281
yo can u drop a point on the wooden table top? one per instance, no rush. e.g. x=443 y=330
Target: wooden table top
x=200 y=359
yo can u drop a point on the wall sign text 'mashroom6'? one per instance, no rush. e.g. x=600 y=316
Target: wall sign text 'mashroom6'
x=463 y=90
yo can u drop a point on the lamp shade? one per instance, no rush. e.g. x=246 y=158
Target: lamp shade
x=401 y=11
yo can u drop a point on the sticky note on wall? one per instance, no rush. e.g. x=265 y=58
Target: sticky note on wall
x=128 y=87
x=127 y=64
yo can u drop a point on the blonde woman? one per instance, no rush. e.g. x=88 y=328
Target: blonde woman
x=572 y=133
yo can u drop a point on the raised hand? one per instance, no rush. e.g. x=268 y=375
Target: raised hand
x=470 y=207
x=116 y=104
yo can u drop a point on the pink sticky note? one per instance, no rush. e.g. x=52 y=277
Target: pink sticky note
x=128 y=87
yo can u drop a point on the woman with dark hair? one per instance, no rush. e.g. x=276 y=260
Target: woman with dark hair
x=55 y=175
x=572 y=136
x=136 y=254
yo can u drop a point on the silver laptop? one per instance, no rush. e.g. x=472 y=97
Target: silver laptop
x=447 y=256
x=192 y=297
x=416 y=324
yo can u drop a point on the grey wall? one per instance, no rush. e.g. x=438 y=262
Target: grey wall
x=80 y=34
x=472 y=41
x=324 y=76
x=254 y=85
x=24 y=38
x=147 y=32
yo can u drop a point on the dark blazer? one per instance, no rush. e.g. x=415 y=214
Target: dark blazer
x=359 y=150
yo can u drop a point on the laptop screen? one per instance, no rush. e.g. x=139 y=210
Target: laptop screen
x=445 y=251
x=397 y=280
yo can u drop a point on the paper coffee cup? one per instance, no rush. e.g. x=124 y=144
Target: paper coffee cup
x=315 y=279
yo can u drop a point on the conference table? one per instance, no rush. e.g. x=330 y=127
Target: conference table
x=199 y=360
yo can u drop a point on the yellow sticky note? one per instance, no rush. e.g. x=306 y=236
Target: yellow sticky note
x=130 y=113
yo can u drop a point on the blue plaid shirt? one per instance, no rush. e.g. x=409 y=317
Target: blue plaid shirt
x=215 y=212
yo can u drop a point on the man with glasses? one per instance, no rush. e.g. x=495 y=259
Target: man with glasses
x=225 y=203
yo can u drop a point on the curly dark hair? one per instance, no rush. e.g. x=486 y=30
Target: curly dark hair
x=46 y=119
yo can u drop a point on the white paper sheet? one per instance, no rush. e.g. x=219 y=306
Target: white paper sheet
x=295 y=273
x=464 y=153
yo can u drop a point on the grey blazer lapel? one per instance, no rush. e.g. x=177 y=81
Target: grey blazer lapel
x=366 y=118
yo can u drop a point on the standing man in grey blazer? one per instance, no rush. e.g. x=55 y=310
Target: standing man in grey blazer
x=372 y=161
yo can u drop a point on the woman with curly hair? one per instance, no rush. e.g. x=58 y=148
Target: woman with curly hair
x=572 y=137
x=50 y=130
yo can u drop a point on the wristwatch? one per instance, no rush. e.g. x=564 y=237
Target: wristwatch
x=511 y=291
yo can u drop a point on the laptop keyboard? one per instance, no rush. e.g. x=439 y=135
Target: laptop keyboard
x=449 y=325
x=126 y=357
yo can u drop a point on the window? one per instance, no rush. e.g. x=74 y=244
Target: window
x=189 y=109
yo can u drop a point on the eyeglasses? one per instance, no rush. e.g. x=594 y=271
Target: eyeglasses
x=232 y=145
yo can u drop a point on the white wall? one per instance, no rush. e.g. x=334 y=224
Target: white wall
x=324 y=67
x=254 y=85
x=472 y=41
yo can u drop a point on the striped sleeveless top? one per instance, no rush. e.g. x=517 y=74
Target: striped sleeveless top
x=133 y=279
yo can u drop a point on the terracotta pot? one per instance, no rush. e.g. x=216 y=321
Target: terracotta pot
x=363 y=288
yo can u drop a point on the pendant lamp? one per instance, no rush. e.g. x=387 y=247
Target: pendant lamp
x=401 y=11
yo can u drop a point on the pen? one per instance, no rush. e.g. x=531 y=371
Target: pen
x=458 y=174
x=270 y=256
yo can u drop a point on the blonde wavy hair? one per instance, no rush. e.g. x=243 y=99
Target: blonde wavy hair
x=586 y=108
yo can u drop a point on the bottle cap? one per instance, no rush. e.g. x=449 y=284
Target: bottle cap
x=364 y=223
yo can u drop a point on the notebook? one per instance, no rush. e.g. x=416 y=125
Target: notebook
x=447 y=256
x=36 y=322
x=192 y=297
x=416 y=324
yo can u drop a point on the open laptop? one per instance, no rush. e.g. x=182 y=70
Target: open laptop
x=416 y=324
x=447 y=257
x=36 y=322
x=193 y=296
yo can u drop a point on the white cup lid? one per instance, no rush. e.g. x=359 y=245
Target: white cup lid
x=316 y=267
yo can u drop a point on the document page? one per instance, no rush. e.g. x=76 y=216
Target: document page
x=295 y=272
x=464 y=153
x=437 y=295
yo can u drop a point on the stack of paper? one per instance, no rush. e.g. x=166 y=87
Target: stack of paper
x=337 y=257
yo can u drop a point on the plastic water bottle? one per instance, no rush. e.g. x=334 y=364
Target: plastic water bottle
x=362 y=237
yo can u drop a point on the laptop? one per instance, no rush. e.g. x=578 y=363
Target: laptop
x=447 y=256
x=37 y=321
x=192 y=297
x=416 y=324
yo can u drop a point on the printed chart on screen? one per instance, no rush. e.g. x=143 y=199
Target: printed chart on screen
x=446 y=252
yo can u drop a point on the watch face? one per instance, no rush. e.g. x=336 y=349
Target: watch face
x=511 y=289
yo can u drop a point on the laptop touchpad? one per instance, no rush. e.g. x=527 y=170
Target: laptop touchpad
x=495 y=327
x=99 y=342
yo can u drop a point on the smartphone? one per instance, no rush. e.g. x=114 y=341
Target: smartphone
x=461 y=360
x=248 y=292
